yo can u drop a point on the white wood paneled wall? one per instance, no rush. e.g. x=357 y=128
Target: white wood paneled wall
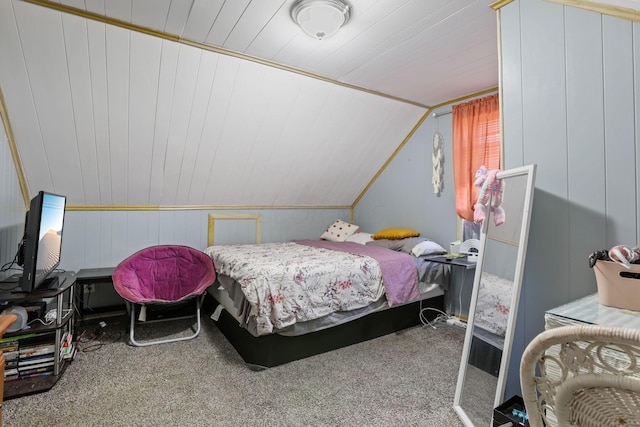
x=104 y=238
x=109 y=116
x=570 y=103
x=11 y=205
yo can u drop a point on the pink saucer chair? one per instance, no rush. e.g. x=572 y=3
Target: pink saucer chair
x=163 y=277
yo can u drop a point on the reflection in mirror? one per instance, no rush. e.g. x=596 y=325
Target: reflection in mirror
x=493 y=309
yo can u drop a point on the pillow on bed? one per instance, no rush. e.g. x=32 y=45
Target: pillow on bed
x=360 y=237
x=416 y=246
x=400 y=245
x=339 y=231
x=395 y=233
x=428 y=247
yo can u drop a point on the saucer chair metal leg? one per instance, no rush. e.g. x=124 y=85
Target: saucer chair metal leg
x=132 y=323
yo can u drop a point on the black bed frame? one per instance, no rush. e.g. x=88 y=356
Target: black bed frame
x=272 y=350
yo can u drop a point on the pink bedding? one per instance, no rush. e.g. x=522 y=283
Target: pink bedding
x=288 y=282
x=399 y=273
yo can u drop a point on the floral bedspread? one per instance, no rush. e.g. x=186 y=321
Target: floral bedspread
x=287 y=282
x=494 y=301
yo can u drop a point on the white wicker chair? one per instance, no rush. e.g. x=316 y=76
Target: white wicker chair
x=586 y=375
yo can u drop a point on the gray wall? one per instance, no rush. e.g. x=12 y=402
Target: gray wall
x=12 y=206
x=403 y=195
x=569 y=105
x=104 y=238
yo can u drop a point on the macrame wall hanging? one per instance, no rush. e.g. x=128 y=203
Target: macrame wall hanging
x=437 y=158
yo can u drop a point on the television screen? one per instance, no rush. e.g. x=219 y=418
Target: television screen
x=42 y=241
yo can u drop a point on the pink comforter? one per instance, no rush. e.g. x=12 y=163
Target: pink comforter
x=399 y=273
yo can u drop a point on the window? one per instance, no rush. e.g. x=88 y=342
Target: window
x=476 y=142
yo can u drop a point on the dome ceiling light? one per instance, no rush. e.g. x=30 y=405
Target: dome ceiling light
x=320 y=18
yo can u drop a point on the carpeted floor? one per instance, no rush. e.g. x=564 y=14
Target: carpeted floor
x=403 y=379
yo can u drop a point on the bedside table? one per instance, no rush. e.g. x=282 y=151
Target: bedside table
x=457 y=283
x=458 y=262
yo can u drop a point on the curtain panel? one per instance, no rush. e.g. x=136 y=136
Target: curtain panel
x=476 y=142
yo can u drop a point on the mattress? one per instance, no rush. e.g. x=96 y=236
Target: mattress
x=228 y=293
x=294 y=288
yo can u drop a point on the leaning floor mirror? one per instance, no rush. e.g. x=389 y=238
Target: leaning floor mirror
x=494 y=299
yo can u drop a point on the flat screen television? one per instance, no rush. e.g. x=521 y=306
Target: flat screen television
x=39 y=251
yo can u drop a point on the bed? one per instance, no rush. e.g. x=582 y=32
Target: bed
x=283 y=301
x=490 y=322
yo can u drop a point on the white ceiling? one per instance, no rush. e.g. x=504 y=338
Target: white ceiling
x=228 y=103
x=427 y=52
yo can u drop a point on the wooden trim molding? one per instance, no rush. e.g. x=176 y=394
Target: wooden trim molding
x=500 y=4
x=605 y=9
x=4 y=116
x=191 y=208
x=217 y=217
x=593 y=6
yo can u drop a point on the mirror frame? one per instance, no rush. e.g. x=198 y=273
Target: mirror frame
x=530 y=171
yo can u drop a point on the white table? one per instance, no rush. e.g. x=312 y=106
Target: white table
x=588 y=310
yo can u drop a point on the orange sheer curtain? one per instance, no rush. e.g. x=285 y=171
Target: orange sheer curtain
x=476 y=142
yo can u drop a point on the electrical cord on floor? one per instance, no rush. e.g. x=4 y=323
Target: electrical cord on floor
x=442 y=317
x=96 y=338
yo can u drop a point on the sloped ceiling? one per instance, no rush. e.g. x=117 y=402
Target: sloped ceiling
x=227 y=103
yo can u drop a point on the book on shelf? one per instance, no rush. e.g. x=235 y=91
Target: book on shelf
x=38 y=350
x=36 y=360
x=11 y=355
x=8 y=346
x=32 y=370
x=11 y=377
x=68 y=352
x=67 y=339
x=66 y=347
x=38 y=374
x=44 y=366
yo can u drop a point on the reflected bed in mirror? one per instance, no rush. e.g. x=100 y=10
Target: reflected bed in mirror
x=494 y=300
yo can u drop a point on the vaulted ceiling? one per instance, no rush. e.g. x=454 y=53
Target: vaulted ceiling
x=227 y=103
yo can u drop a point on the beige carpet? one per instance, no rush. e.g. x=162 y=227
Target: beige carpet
x=403 y=379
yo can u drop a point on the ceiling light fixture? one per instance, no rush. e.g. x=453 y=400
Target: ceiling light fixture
x=320 y=18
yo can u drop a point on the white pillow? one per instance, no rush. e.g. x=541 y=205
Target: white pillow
x=339 y=231
x=428 y=247
x=361 y=238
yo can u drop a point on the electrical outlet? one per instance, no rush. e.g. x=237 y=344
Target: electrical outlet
x=456 y=322
x=90 y=288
